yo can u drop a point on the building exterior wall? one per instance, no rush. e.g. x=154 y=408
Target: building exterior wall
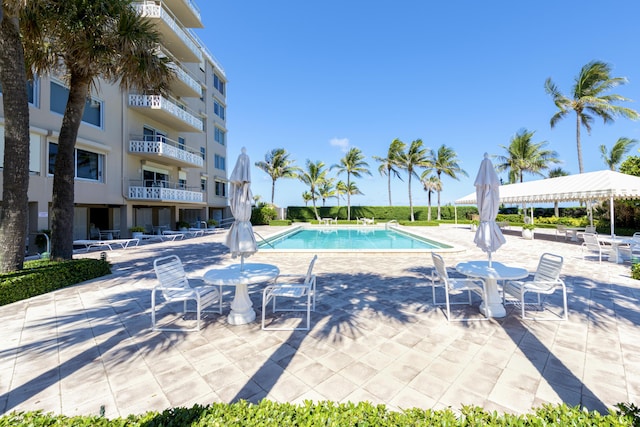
x=144 y=162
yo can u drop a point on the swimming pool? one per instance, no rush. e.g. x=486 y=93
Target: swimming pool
x=372 y=239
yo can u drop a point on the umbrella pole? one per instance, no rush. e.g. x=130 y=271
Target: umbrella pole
x=241 y=262
x=489 y=259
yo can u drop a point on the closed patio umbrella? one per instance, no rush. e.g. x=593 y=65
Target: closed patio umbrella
x=488 y=236
x=241 y=240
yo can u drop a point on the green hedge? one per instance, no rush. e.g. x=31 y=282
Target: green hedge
x=268 y=413
x=279 y=222
x=380 y=213
x=42 y=276
x=263 y=214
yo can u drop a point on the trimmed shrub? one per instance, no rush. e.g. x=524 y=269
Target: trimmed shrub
x=42 y=276
x=263 y=214
x=280 y=222
x=268 y=413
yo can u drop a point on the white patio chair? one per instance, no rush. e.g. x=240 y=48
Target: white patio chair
x=455 y=286
x=593 y=245
x=546 y=280
x=590 y=229
x=561 y=229
x=296 y=287
x=174 y=287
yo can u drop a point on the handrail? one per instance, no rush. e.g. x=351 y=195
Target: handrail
x=263 y=239
x=390 y=223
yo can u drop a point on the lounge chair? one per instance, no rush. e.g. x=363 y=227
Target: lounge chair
x=546 y=280
x=295 y=287
x=174 y=286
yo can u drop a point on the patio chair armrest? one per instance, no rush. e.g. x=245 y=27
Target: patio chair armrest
x=288 y=278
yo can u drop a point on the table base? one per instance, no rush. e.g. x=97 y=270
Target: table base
x=242 y=311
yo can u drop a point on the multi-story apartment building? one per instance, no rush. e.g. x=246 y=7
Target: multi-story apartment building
x=141 y=159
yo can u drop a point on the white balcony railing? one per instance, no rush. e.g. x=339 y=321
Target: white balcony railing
x=154 y=10
x=186 y=78
x=159 y=102
x=168 y=194
x=162 y=147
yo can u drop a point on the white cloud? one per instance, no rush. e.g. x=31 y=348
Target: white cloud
x=342 y=143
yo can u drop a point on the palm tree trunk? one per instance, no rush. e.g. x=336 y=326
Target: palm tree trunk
x=273 y=190
x=389 y=185
x=63 y=179
x=439 y=173
x=429 y=201
x=348 y=196
x=579 y=146
x=13 y=218
x=410 y=202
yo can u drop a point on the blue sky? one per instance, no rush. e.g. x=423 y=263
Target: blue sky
x=319 y=77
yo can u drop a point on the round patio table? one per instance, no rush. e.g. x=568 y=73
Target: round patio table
x=492 y=306
x=241 y=277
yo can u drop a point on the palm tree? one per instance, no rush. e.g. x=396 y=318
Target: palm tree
x=430 y=183
x=326 y=190
x=313 y=176
x=83 y=41
x=556 y=173
x=445 y=161
x=523 y=155
x=618 y=151
x=353 y=164
x=306 y=198
x=15 y=173
x=277 y=165
x=588 y=99
x=388 y=165
x=414 y=157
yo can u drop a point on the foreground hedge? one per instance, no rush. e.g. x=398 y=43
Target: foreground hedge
x=268 y=413
x=42 y=276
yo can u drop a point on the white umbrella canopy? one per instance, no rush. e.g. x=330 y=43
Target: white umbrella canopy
x=488 y=236
x=241 y=240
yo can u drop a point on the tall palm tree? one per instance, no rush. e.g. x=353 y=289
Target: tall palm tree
x=353 y=164
x=389 y=165
x=618 y=151
x=83 y=41
x=524 y=155
x=556 y=173
x=445 y=161
x=277 y=165
x=15 y=172
x=326 y=190
x=431 y=184
x=589 y=99
x=415 y=157
x=313 y=176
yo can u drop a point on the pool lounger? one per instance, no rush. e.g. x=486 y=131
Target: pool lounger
x=124 y=243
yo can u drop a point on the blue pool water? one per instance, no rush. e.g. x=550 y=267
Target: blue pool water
x=365 y=238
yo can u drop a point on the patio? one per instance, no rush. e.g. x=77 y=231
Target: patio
x=374 y=336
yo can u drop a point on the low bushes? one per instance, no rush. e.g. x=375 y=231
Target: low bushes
x=42 y=276
x=276 y=222
x=268 y=413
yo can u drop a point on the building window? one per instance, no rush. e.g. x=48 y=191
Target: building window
x=203 y=153
x=218 y=109
x=219 y=136
x=218 y=83
x=34 y=151
x=89 y=165
x=203 y=184
x=33 y=87
x=219 y=162
x=93 y=108
x=221 y=189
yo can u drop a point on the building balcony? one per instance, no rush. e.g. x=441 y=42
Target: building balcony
x=174 y=38
x=184 y=84
x=163 y=191
x=186 y=11
x=154 y=148
x=166 y=111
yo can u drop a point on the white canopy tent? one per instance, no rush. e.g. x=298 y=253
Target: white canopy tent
x=601 y=185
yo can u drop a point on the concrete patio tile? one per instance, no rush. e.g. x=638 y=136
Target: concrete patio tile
x=336 y=385
x=313 y=373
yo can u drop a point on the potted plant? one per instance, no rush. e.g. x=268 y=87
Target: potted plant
x=474 y=224
x=137 y=232
x=182 y=225
x=211 y=223
x=527 y=231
